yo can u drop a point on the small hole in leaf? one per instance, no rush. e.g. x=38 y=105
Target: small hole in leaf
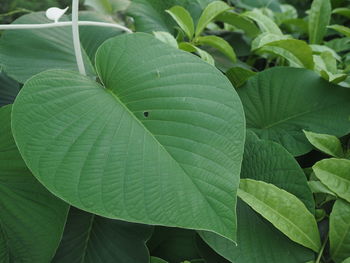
x=146 y=114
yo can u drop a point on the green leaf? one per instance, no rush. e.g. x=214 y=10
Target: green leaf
x=203 y=54
x=339 y=44
x=346 y=260
x=299 y=52
x=278 y=107
x=335 y=174
x=319 y=18
x=166 y=38
x=341 y=29
x=98 y=239
x=108 y=6
x=157 y=260
x=256 y=236
x=285 y=211
x=9 y=89
x=319 y=49
x=319 y=188
x=32 y=219
x=240 y=22
x=251 y=4
x=297 y=25
x=263 y=21
x=238 y=76
x=219 y=43
x=339 y=231
x=209 y=13
x=141 y=148
x=328 y=144
x=266 y=38
x=342 y=11
x=183 y=19
x=326 y=66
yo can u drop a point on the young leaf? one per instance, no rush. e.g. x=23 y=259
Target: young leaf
x=341 y=29
x=319 y=49
x=342 y=11
x=203 y=54
x=240 y=22
x=167 y=38
x=183 y=19
x=32 y=219
x=299 y=52
x=328 y=144
x=277 y=107
x=209 y=13
x=266 y=38
x=339 y=231
x=219 y=43
x=319 y=17
x=264 y=22
x=238 y=76
x=285 y=211
x=335 y=174
x=141 y=148
x=90 y=238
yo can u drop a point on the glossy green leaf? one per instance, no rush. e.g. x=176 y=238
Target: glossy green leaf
x=166 y=38
x=89 y=238
x=299 y=52
x=240 y=22
x=238 y=76
x=161 y=108
x=157 y=260
x=193 y=49
x=256 y=236
x=9 y=89
x=264 y=22
x=277 y=107
x=32 y=219
x=209 y=13
x=335 y=174
x=108 y=6
x=341 y=29
x=285 y=211
x=319 y=188
x=266 y=38
x=319 y=17
x=328 y=144
x=339 y=231
x=342 y=11
x=183 y=19
x=220 y=44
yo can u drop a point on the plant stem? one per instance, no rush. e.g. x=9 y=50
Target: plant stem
x=63 y=24
x=322 y=249
x=76 y=38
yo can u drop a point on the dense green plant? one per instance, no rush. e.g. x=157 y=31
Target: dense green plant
x=217 y=132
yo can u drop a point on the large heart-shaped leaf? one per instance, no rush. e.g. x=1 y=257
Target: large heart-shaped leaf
x=32 y=219
x=9 y=89
x=24 y=53
x=89 y=238
x=269 y=162
x=161 y=144
x=280 y=102
x=339 y=231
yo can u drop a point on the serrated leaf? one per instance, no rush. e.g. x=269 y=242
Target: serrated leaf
x=141 y=148
x=319 y=18
x=183 y=19
x=335 y=174
x=264 y=22
x=9 y=89
x=339 y=231
x=285 y=211
x=341 y=29
x=300 y=52
x=89 y=238
x=220 y=44
x=32 y=219
x=240 y=22
x=328 y=144
x=278 y=107
x=209 y=13
x=238 y=75
x=203 y=54
x=255 y=236
x=166 y=38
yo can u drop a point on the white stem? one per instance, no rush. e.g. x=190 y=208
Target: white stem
x=63 y=24
x=76 y=38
